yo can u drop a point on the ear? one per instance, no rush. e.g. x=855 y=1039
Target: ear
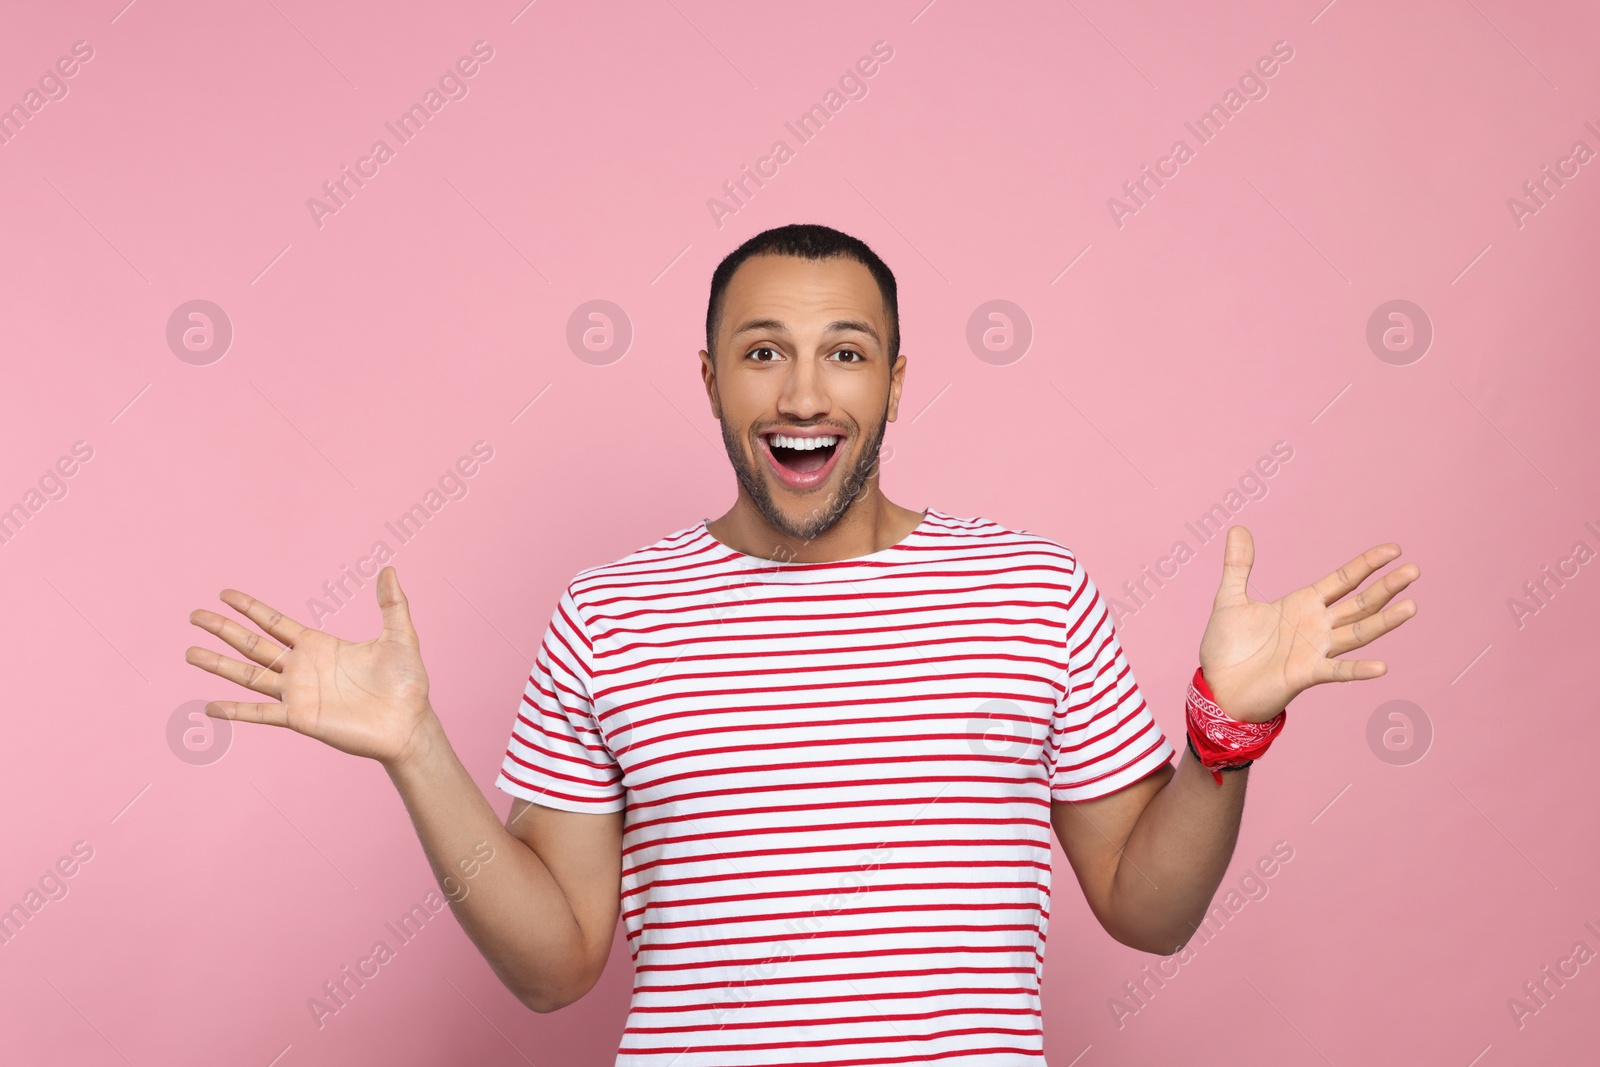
x=708 y=374
x=897 y=381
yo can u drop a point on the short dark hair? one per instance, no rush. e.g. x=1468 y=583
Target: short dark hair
x=807 y=241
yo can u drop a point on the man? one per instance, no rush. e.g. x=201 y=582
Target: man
x=811 y=752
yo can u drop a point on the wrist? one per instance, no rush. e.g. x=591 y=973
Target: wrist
x=1227 y=700
x=426 y=743
x=1219 y=741
x=1189 y=740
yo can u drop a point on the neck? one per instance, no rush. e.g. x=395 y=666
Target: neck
x=871 y=524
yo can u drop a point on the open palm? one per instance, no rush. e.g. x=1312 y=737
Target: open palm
x=1258 y=656
x=367 y=698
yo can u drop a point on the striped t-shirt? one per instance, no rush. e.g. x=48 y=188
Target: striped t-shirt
x=837 y=781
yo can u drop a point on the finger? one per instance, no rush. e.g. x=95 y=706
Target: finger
x=1347 y=638
x=270 y=714
x=1349 y=670
x=246 y=674
x=1352 y=574
x=1238 y=555
x=1375 y=595
x=396 y=609
x=267 y=653
x=269 y=618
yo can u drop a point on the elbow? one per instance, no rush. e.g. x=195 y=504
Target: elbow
x=1156 y=933
x=1170 y=947
x=1155 y=942
x=1155 y=947
x=545 y=1001
x=540 y=1004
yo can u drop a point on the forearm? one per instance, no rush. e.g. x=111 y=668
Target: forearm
x=1175 y=857
x=511 y=907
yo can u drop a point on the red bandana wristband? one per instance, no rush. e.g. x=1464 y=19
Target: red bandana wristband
x=1220 y=741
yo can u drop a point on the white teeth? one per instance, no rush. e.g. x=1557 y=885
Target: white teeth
x=804 y=444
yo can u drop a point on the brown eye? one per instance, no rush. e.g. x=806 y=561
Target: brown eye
x=852 y=352
x=763 y=348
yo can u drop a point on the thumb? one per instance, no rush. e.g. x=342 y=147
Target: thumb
x=392 y=602
x=1238 y=555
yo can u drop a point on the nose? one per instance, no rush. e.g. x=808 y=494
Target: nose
x=804 y=395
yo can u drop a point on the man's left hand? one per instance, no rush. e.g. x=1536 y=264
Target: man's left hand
x=1258 y=656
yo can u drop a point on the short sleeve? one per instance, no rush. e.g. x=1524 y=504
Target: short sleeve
x=557 y=756
x=1105 y=735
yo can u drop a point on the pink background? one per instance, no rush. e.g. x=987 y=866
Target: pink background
x=1227 y=314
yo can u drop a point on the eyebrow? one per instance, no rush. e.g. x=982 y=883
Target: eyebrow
x=837 y=326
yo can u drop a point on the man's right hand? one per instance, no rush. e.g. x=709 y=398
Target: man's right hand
x=368 y=698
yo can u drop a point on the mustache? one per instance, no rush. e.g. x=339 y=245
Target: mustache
x=840 y=430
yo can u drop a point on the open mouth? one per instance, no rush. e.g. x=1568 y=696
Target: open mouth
x=801 y=461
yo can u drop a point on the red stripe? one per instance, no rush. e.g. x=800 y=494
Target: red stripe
x=658 y=884
x=899 y=974
x=716 y=622
x=638 y=826
x=755 y=853
x=815 y=1021
x=835 y=777
x=702 y=592
x=900 y=1038
x=848 y=952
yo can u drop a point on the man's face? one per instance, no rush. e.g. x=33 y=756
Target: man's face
x=801 y=354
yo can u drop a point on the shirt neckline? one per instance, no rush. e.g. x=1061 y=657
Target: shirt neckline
x=745 y=557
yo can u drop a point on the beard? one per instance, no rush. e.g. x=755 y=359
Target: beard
x=824 y=516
